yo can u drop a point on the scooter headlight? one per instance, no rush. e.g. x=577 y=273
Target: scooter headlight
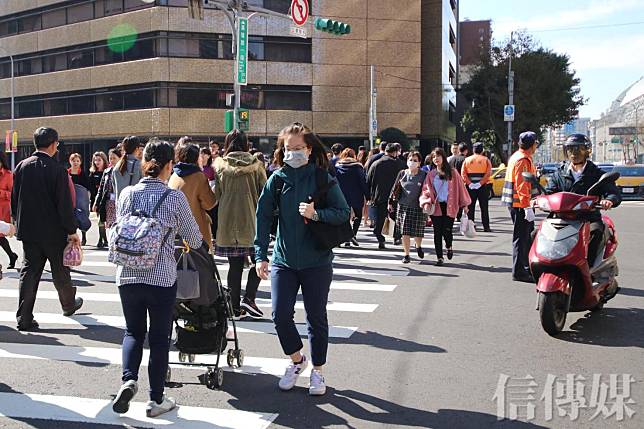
x=554 y=250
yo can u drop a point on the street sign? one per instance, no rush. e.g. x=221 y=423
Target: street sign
x=244 y=120
x=299 y=32
x=242 y=52
x=374 y=125
x=300 y=11
x=11 y=141
x=508 y=113
x=624 y=131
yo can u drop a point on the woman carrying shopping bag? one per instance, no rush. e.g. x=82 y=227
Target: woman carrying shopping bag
x=443 y=195
x=410 y=218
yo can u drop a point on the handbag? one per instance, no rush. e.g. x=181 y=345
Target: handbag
x=327 y=236
x=187 y=277
x=72 y=255
x=431 y=207
x=468 y=229
x=388 y=227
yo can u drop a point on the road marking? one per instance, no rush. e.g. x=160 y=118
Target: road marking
x=254 y=327
x=261 y=302
x=112 y=356
x=99 y=411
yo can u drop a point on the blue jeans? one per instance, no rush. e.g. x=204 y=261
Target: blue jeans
x=139 y=300
x=315 y=283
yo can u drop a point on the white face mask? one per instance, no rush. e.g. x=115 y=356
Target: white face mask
x=296 y=158
x=413 y=164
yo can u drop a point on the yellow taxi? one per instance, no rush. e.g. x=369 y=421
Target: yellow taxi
x=498 y=177
x=631 y=181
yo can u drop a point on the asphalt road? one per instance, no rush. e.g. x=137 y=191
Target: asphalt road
x=412 y=346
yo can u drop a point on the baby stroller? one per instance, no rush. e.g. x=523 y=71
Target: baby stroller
x=201 y=314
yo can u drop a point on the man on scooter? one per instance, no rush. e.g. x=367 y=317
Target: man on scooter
x=577 y=175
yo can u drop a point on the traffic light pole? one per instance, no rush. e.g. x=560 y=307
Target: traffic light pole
x=372 y=109
x=510 y=96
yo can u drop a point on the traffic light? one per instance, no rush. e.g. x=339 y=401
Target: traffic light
x=331 y=26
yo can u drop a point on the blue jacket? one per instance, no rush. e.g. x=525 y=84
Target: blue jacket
x=295 y=244
x=353 y=182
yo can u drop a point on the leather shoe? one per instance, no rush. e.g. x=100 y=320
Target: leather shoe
x=12 y=262
x=78 y=303
x=32 y=326
x=397 y=242
x=381 y=246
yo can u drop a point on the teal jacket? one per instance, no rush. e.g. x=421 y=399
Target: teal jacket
x=295 y=244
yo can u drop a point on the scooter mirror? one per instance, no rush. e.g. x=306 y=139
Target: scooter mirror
x=605 y=178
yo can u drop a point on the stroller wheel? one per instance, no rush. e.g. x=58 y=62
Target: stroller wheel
x=168 y=375
x=230 y=358
x=191 y=358
x=182 y=357
x=214 y=378
x=240 y=358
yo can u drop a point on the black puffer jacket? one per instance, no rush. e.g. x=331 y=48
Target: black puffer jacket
x=562 y=180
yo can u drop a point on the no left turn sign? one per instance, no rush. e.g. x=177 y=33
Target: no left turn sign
x=299 y=11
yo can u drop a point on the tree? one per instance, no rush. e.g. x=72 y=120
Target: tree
x=546 y=90
x=395 y=135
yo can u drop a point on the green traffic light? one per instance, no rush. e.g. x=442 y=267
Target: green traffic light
x=332 y=26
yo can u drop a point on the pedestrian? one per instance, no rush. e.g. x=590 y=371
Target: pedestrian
x=517 y=193
x=336 y=150
x=362 y=156
x=297 y=260
x=152 y=291
x=188 y=178
x=476 y=172
x=376 y=154
x=96 y=171
x=79 y=178
x=429 y=164
x=455 y=151
x=239 y=180
x=214 y=149
x=444 y=193
x=105 y=204
x=353 y=182
x=410 y=217
x=205 y=162
x=456 y=161
x=380 y=179
x=6 y=185
x=41 y=204
x=127 y=171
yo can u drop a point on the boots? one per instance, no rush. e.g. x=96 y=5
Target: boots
x=102 y=237
x=4 y=243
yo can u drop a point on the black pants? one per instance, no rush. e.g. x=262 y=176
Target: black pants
x=357 y=212
x=596 y=241
x=234 y=277
x=521 y=242
x=442 y=230
x=4 y=243
x=482 y=195
x=381 y=215
x=36 y=254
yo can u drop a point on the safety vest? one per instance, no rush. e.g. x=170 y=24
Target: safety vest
x=514 y=194
x=476 y=169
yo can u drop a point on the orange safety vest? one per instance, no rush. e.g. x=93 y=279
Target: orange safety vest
x=476 y=169
x=517 y=192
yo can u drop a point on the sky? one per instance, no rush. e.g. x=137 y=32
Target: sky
x=607 y=59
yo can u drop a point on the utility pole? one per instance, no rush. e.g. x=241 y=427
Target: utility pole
x=13 y=107
x=510 y=94
x=373 y=118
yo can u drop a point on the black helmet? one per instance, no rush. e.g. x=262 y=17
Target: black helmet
x=577 y=140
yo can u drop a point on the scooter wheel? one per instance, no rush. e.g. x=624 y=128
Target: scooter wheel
x=552 y=311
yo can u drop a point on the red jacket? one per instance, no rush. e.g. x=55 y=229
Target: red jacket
x=6 y=185
x=458 y=196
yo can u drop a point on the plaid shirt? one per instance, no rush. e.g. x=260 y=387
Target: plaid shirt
x=174 y=214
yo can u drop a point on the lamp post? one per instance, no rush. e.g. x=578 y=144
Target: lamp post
x=13 y=104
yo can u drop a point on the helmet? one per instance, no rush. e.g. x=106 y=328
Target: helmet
x=577 y=148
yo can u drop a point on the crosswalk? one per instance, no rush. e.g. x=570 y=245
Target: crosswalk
x=362 y=279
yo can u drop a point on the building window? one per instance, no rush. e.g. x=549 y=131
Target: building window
x=208 y=49
x=197 y=98
x=56 y=62
x=184 y=47
x=29 y=109
x=452 y=75
x=81 y=59
x=81 y=12
x=452 y=38
x=143 y=48
x=451 y=115
x=55 y=107
x=133 y=5
x=112 y=7
x=55 y=18
x=454 y=5
x=81 y=104
x=29 y=23
x=27 y=67
x=109 y=102
x=138 y=99
x=9 y=27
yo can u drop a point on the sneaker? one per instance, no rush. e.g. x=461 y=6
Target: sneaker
x=354 y=241
x=251 y=309
x=381 y=246
x=239 y=314
x=78 y=303
x=347 y=245
x=406 y=259
x=33 y=326
x=121 y=403
x=317 y=386
x=421 y=252
x=293 y=371
x=440 y=261
x=152 y=409
x=450 y=254
x=397 y=242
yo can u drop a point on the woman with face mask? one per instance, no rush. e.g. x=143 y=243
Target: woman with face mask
x=297 y=262
x=410 y=218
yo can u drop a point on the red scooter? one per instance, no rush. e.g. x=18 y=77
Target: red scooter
x=559 y=256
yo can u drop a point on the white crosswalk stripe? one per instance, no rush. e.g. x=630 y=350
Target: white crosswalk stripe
x=357 y=271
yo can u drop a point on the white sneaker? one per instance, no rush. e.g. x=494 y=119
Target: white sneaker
x=317 y=386
x=121 y=403
x=293 y=371
x=152 y=409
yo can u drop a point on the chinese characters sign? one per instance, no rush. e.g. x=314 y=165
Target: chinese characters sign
x=242 y=51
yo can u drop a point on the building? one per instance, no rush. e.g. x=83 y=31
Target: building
x=617 y=134
x=97 y=70
x=553 y=138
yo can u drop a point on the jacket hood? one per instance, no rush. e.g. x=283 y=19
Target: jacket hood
x=348 y=163
x=239 y=163
x=183 y=169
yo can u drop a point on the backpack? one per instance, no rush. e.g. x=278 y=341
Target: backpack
x=136 y=239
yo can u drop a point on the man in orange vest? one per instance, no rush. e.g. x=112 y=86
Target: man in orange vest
x=476 y=172
x=517 y=193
